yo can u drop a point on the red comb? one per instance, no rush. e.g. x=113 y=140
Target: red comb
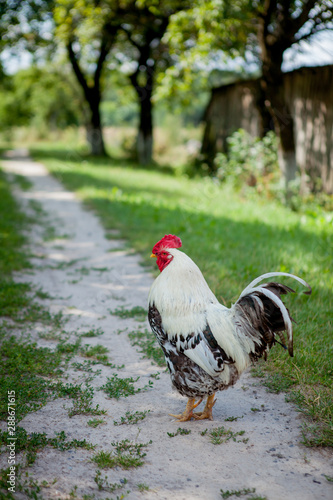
x=168 y=241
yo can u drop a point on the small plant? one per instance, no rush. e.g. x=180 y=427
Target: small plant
x=93 y=332
x=72 y=493
x=84 y=271
x=82 y=405
x=103 y=484
x=60 y=443
x=232 y=419
x=182 y=432
x=42 y=295
x=143 y=487
x=132 y=418
x=221 y=435
x=91 y=352
x=94 y=422
x=68 y=348
x=97 y=352
x=238 y=493
x=126 y=455
x=116 y=387
x=137 y=312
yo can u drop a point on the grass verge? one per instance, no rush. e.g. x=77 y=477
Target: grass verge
x=233 y=239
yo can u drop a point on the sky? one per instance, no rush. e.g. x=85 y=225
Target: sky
x=317 y=52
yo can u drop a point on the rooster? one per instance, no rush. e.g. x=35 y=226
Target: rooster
x=206 y=345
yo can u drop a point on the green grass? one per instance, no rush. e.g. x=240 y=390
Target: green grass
x=13 y=296
x=180 y=431
x=137 y=312
x=82 y=404
x=132 y=418
x=95 y=422
x=93 y=332
x=105 y=485
x=23 y=369
x=126 y=455
x=31 y=443
x=242 y=493
x=117 y=387
x=221 y=435
x=233 y=239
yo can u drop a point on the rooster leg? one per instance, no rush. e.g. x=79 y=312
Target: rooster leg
x=188 y=413
x=208 y=410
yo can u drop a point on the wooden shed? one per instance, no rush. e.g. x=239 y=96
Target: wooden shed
x=309 y=94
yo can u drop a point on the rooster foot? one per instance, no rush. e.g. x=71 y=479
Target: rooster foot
x=208 y=410
x=188 y=412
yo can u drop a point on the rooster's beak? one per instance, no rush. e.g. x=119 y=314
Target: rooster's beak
x=153 y=255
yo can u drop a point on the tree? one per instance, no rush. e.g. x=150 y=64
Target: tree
x=21 y=24
x=144 y=24
x=281 y=24
x=267 y=29
x=88 y=29
x=31 y=97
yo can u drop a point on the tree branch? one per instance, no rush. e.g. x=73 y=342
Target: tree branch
x=77 y=70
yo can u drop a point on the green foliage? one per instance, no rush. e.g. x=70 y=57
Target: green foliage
x=32 y=97
x=23 y=369
x=132 y=418
x=33 y=442
x=95 y=422
x=93 y=332
x=221 y=435
x=126 y=455
x=82 y=404
x=136 y=312
x=180 y=431
x=211 y=30
x=13 y=296
x=96 y=352
x=249 y=160
x=116 y=387
x=241 y=493
x=103 y=484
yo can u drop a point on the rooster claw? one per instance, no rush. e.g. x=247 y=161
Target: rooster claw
x=188 y=412
x=207 y=413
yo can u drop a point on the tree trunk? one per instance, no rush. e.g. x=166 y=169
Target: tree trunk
x=93 y=98
x=145 y=131
x=273 y=89
x=94 y=128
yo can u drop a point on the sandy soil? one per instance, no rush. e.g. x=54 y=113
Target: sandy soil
x=184 y=467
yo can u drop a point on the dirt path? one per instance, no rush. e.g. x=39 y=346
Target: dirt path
x=268 y=456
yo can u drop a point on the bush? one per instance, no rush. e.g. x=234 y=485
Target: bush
x=251 y=161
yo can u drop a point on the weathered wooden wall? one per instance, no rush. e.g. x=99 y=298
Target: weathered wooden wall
x=309 y=94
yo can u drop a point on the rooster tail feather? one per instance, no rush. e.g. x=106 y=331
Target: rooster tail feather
x=263 y=307
x=271 y=275
x=272 y=326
